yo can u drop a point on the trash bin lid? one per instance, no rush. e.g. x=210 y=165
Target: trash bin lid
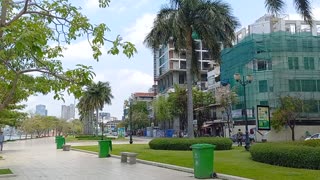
x=106 y=140
x=203 y=146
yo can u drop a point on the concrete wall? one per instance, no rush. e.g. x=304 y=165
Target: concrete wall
x=283 y=135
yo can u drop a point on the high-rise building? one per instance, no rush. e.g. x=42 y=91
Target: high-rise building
x=41 y=110
x=170 y=66
x=68 y=112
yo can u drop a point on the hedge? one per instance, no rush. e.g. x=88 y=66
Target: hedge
x=91 y=137
x=185 y=143
x=296 y=155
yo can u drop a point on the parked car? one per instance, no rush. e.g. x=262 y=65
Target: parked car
x=235 y=139
x=315 y=136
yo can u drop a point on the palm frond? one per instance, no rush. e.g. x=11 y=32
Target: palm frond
x=304 y=8
x=274 y=6
x=216 y=25
x=162 y=28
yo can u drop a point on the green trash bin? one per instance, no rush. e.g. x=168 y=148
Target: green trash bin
x=55 y=140
x=60 y=142
x=104 y=147
x=203 y=160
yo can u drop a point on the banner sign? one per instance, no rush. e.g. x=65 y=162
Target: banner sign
x=263 y=117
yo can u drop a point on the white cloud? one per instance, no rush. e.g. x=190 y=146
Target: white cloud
x=123 y=82
x=91 y=4
x=79 y=51
x=315 y=13
x=138 y=31
x=120 y=6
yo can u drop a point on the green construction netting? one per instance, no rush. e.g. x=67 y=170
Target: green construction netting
x=280 y=62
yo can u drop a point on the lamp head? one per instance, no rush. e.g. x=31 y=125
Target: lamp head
x=237 y=77
x=249 y=78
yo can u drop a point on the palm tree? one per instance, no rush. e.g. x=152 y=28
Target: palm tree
x=94 y=98
x=210 y=19
x=303 y=7
x=86 y=113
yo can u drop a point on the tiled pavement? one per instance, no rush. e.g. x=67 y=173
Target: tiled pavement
x=38 y=159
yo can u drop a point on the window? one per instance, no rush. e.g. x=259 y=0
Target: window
x=205 y=65
x=263 y=86
x=183 y=55
x=308 y=85
x=318 y=85
x=292 y=45
x=264 y=103
x=308 y=63
x=198 y=55
x=310 y=106
x=181 y=78
x=183 y=64
x=307 y=45
x=318 y=29
x=293 y=62
x=206 y=56
x=294 y=86
x=262 y=65
x=291 y=28
x=315 y=136
x=305 y=28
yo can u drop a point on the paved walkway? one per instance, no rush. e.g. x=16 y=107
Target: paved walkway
x=136 y=140
x=38 y=159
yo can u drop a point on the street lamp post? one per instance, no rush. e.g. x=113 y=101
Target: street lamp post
x=244 y=82
x=130 y=121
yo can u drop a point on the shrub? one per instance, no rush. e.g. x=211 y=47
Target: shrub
x=312 y=142
x=286 y=154
x=185 y=143
x=91 y=137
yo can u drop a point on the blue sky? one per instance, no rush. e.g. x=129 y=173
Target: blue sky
x=132 y=20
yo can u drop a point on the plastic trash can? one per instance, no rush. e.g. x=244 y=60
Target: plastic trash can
x=56 y=137
x=104 y=147
x=60 y=142
x=203 y=160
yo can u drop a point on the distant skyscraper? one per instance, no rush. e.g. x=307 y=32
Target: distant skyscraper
x=41 y=110
x=68 y=112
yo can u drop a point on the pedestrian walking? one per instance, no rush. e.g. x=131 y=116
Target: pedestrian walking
x=1 y=140
x=239 y=137
x=251 y=136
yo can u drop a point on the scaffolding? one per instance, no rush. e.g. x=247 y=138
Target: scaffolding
x=282 y=63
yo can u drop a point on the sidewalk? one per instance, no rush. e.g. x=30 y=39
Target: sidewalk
x=136 y=140
x=38 y=159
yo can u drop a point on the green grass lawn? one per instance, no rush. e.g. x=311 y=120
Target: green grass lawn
x=233 y=162
x=73 y=139
x=5 y=171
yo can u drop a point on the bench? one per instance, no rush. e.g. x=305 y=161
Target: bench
x=66 y=147
x=131 y=156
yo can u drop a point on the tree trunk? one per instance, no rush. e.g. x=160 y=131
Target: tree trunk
x=97 y=122
x=189 y=83
x=292 y=132
x=91 y=122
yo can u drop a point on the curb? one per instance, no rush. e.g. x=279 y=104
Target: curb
x=7 y=175
x=169 y=166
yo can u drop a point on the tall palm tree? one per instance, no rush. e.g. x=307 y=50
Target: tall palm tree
x=94 y=98
x=86 y=113
x=210 y=19
x=303 y=7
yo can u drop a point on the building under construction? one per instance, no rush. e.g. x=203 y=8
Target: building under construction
x=283 y=56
